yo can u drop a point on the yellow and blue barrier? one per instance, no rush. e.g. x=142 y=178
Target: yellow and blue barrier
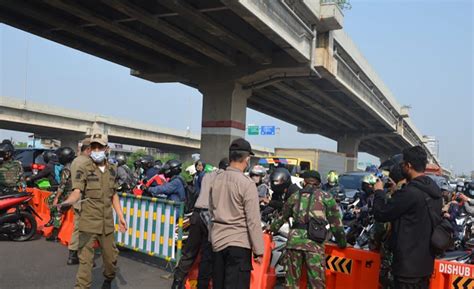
x=155 y=226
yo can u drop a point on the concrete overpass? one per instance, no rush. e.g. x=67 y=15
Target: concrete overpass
x=70 y=126
x=283 y=58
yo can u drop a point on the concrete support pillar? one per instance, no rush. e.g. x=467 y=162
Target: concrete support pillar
x=71 y=141
x=223 y=118
x=350 y=146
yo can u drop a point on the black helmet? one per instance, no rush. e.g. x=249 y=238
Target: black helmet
x=65 y=155
x=158 y=165
x=172 y=168
x=280 y=179
x=394 y=160
x=49 y=156
x=147 y=161
x=6 y=149
x=121 y=159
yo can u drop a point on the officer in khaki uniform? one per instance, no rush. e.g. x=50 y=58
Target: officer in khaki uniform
x=94 y=183
x=76 y=163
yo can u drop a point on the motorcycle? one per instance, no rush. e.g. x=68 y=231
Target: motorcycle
x=17 y=219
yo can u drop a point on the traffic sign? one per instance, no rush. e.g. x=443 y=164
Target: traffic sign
x=253 y=130
x=267 y=130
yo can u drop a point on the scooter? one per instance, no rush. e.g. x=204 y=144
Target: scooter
x=17 y=219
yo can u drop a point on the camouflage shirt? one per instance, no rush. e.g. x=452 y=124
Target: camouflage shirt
x=65 y=185
x=323 y=206
x=11 y=175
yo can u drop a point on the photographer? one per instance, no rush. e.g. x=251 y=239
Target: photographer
x=413 y=259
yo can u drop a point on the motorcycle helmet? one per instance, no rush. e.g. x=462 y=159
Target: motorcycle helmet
x=121 y=159
x=147 y=161
x=208 y=168
x=332 y=178
x=460 y=187
x=49 y=156
x=65 y=155
x=369 y=179
x=394 y=160
x=158 y=165
x=6 y=150
x=172 y=168
x=280 y=179
x=258 y=171
x=224 y=163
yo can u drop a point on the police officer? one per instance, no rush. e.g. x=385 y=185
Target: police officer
x=83 y=157
x=174 y=189
x=95 y=183
x=65 y=157
x=124 y=174
x=236 y=230
x=198 y=239
x=11 y=171
x=309 y=203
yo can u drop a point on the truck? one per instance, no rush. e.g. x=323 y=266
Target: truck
x=298 y=160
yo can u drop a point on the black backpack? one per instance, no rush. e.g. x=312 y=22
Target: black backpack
x=190 y=196
x=442 y=230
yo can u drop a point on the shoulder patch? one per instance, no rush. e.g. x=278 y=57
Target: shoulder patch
x=79 y=174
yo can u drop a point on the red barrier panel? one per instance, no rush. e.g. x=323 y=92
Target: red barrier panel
x=350 y=269
x=452 y=275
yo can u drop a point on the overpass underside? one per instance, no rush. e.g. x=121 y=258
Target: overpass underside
x=238 y=53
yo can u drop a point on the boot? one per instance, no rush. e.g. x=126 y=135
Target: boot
x=107 y=284
x=73 y=259
x=177 y=284
x=54 y=236
x=50 y=222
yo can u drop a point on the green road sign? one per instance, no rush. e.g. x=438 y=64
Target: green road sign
x=253 y=130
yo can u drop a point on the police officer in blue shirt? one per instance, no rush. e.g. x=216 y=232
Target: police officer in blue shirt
x=173 y=190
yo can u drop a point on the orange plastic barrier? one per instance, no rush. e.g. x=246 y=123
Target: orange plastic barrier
x=350 y=269
x=452 y=275
x=39 y=203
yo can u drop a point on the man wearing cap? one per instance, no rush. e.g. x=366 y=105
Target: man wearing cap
x=83 y=157
x=95 y=183
x=235 y=214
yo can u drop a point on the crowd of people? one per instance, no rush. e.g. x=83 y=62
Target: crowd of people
x=227 y=204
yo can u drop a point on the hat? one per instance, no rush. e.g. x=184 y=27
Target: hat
x=86 y=141
x=312 y=174
x=99 y=138
x=241 y=145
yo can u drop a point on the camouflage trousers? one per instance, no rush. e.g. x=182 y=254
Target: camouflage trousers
x=314 y=263
x=54 y=212
x=386 y=277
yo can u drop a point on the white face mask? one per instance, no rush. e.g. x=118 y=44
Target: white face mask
x=98 y=157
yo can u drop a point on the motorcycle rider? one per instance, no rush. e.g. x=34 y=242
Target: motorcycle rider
x=11 y=171
x=197 y=178
x=65 y=156
x=333 y=187
x=367 y=194
x=257 y=174
x=310 y=204
x=280 y=181
x=174 y=189
x=51 y=160
x=124 y=174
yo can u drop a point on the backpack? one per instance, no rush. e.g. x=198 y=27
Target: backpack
x=190 y=197
x=58 y=168
x=442 y=230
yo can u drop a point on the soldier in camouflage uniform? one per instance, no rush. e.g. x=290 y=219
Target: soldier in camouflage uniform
x=309 y=202
x=65 y=156
x=11 y=171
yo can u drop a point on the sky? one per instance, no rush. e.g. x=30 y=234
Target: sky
x=422 y=50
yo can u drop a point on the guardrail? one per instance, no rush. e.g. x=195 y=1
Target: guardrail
x=155 y=226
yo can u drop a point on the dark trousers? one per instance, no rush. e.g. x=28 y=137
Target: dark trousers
x=232 y=268
x=197 y=242
x=412 y=283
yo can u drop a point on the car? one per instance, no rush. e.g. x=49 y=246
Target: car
x=352 y=182
x=31 y=159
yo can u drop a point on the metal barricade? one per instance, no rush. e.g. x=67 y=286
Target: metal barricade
x=152 y=226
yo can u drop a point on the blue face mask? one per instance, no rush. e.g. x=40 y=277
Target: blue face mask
x=98 y=157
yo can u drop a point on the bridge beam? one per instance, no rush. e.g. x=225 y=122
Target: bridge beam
x=223 y=118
